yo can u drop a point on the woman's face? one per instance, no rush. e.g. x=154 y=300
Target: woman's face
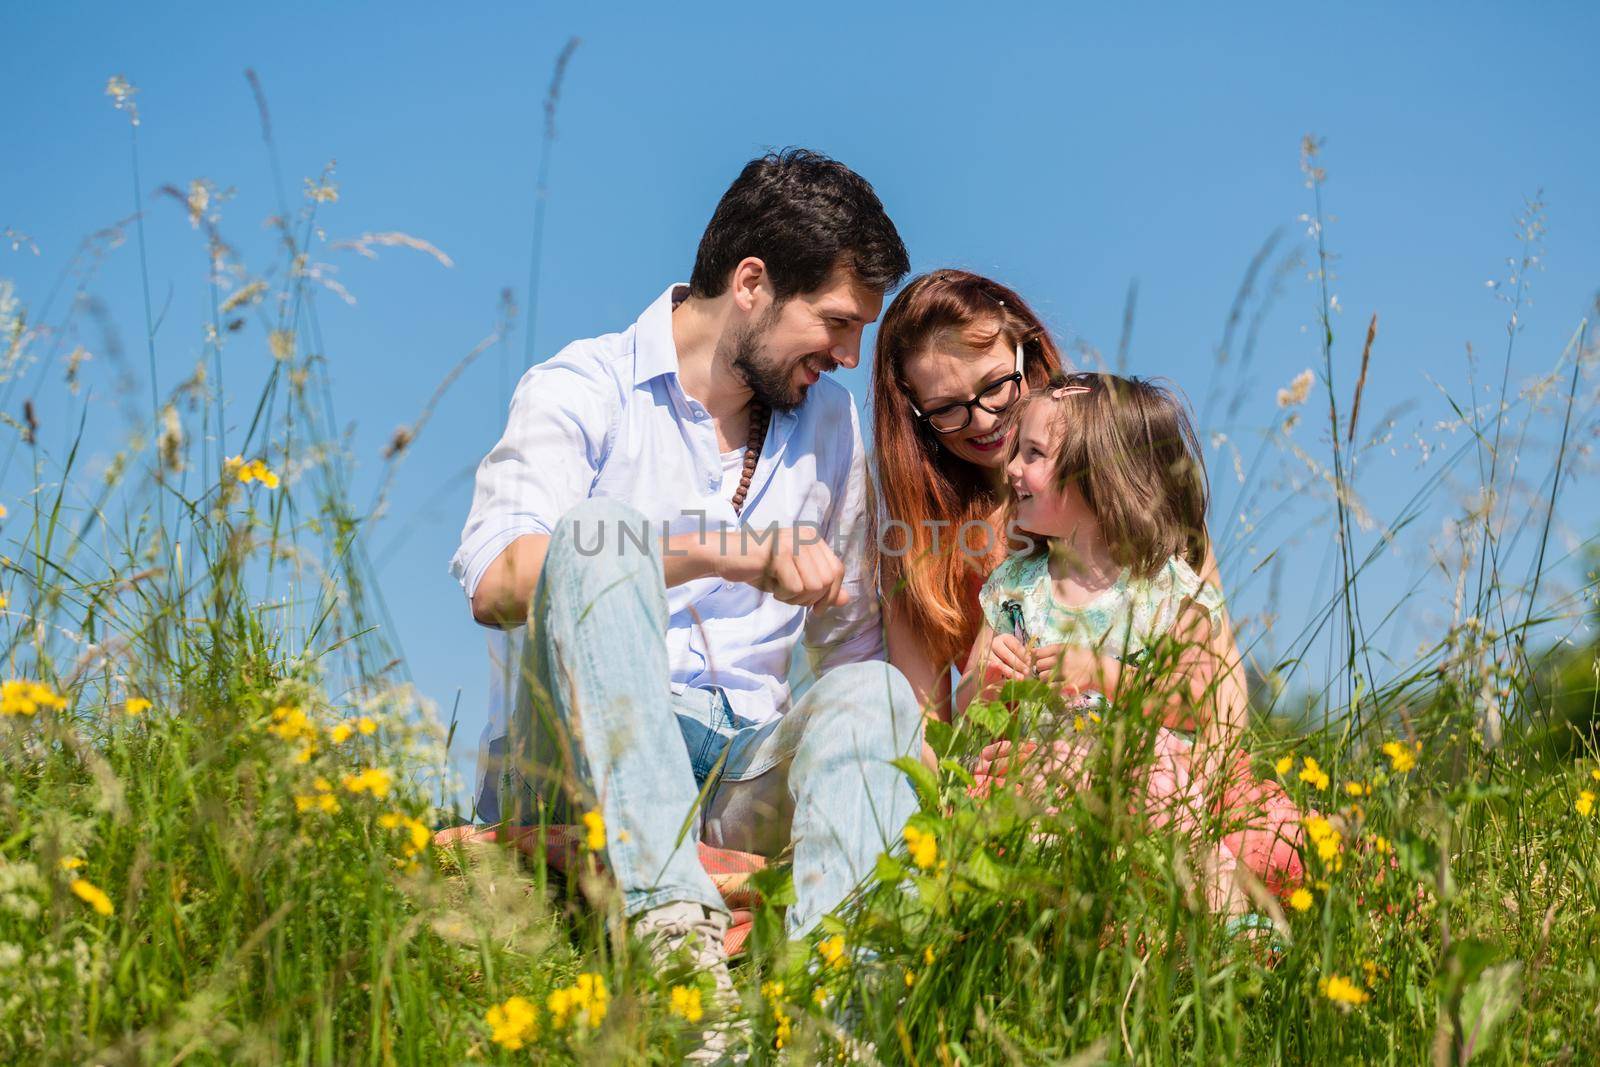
x=948 y=372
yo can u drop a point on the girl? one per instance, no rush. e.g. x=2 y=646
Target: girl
x=1105 y=476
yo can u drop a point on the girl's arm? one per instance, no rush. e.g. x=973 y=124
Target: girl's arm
x=1210 y=679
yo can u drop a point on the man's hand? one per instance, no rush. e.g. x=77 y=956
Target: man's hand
x=791 y=563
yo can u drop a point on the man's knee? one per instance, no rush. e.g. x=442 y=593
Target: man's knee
x=875 y=696
x=597 y=535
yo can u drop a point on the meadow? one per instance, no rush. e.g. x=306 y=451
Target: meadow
x=219 y=792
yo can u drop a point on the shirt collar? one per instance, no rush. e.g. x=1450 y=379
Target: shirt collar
x=653 y=350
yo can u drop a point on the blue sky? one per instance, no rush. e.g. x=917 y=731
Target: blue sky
x=1067 y=149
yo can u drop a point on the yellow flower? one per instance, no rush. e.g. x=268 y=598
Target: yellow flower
x=341 y=733
x=924 y=847
x=911 y=979
x=374 y=780
x=291 y=724
x=136 y=706
x=417 y=833
x=1313 y=774
x=1301 y=899
x=686 y=1003
x=1381 y=845
x=71 y=863
x=594 y=825
x=819 y=996
x=1284 y=765
x=91 y=895
x=4 y=603
x=3 y=511
x=252 y=471
x=1357 y=789
x=326 y=803
x=559 y=1005
x=1328 y=841
x=514 y=1023
x=1373 y=971
x=783 y=1030
x=1595 y=774
x=1402 y=757
x=831 y=949
x=18 y=697
x=927 y=956
x=1342 y=991
x=586 y=999
x=366 y=725
x=1585 y=803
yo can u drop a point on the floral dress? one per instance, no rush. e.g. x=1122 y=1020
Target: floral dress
x=1263 y=823
x=1119 y=623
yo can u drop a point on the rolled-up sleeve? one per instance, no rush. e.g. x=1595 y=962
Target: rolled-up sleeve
x=545 y=463
x=854 y=632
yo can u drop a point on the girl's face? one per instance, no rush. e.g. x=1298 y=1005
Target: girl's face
x=947 y=372
x=1043 y=508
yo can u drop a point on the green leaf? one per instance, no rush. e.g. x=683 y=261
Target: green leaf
x=940 y=736
x=1487 y=1003
x=934 y=893
x=981 y=870
x=991 y=718
x=922 y=779
x=776 y=886
x=888 y=870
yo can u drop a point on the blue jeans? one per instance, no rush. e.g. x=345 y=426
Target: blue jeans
x=597 y=724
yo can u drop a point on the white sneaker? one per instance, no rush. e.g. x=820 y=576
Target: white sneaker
x=679 y=932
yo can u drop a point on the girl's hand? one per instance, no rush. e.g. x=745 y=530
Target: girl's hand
x=1069 y=666
x=1011 y=657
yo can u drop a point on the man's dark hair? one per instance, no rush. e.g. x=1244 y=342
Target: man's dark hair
x=800 y=213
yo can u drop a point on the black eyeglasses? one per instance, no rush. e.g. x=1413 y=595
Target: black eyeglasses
x=996 y=397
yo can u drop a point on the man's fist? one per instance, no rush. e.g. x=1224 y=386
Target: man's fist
x=793 y=564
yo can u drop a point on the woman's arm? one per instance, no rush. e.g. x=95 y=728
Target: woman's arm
x=929 y=681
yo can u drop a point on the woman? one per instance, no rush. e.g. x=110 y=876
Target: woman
x=955 y=351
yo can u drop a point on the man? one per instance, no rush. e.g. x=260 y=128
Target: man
x=680 y=503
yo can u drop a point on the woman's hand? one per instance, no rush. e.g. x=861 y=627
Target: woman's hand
x=1035 y=772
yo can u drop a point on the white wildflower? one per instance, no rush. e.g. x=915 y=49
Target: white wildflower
x=1298 y=390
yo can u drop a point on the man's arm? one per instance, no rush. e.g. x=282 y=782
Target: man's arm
x=792 y=570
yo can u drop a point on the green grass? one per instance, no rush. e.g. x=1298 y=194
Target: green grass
x=250 y=920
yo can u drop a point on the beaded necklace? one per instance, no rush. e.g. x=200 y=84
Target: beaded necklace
x=759 y=417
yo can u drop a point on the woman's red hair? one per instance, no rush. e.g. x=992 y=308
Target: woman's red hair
x=922 y=483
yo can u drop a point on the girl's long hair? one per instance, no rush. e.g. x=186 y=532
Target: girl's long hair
x=921 y=483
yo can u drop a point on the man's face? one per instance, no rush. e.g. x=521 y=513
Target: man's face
x=789 y=346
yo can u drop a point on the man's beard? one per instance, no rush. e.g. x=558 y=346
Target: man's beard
x=771 y=383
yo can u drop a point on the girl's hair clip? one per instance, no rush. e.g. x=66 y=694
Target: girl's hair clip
x=1068 y=390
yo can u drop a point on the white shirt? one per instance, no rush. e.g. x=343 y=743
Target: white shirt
x=608 y=417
